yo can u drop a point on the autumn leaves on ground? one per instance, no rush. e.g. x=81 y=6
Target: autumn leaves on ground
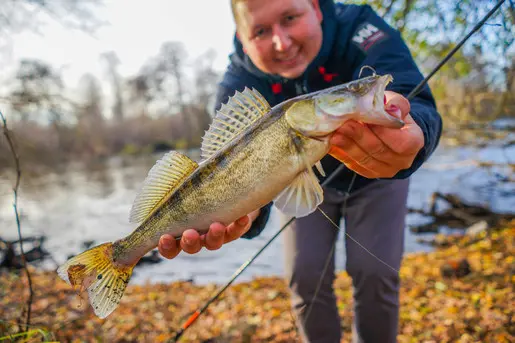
x=478 y=307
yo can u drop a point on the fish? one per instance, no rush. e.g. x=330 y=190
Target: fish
x=252 y=154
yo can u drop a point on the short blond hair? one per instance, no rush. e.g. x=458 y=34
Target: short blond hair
x=234 y=4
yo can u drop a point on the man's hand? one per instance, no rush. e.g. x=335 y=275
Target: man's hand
x=218 y=234
x=375 y=151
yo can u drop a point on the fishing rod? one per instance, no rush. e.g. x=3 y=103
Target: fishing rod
x=193 y=317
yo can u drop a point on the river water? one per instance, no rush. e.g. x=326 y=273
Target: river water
x=92 y=203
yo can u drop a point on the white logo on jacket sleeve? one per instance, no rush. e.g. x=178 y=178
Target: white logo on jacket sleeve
x=367 y=35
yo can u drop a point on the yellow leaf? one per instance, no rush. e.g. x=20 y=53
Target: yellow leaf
x=452 y=310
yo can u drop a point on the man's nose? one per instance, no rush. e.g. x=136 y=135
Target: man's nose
x=281 y=39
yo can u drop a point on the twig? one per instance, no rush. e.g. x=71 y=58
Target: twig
x=15 y=205
x=388 y=8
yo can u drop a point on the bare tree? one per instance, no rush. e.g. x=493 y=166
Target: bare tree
x=206 y=79
x=165 y=76
x=91 y=99
x=90 y=127
x=139 y=94
x=37 y=91
x=21 y=15
x=112 y=61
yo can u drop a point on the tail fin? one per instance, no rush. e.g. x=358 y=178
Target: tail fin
x=95 y=271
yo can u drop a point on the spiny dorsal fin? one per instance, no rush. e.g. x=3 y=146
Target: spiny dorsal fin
x=239 y=113
x=162 y=180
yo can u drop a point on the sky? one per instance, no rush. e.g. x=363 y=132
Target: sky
x=135 y=31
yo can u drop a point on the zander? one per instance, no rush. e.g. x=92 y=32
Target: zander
x=252 y=154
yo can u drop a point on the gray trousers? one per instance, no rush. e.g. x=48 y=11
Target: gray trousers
x=375 y=218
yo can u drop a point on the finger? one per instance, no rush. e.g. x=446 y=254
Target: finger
x=190 y=242
x=340 y=155
x=399 y=101
x=215 y=236
x=237 y=229
x=168 y=246
x=362 y=158
x=406 y=141
x=367 y=140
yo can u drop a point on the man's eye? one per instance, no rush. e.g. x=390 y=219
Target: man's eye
x=290 y=18
x=259 y=32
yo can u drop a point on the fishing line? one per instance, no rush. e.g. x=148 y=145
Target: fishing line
x=367 y=67
x=417 y=89
x=330 y=256
x=331 y=252
x=358 y=243
x=192 y=318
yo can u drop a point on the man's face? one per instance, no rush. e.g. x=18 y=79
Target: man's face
x=280 y=36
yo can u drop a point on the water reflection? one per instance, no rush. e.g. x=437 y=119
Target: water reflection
x=91 y=202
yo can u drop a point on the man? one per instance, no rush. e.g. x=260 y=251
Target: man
x=291 y=47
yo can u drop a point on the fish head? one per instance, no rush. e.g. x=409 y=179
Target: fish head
x=361 y=100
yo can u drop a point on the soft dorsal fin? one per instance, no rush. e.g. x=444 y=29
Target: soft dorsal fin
x=162 y=180
x=240 y=112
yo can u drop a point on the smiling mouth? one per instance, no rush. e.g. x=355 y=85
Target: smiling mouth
x=289 y=58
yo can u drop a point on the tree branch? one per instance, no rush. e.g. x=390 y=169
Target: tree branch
x=388 y=8
x=15 y=205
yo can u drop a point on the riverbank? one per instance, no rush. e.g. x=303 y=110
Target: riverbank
x=89 y=204
x=439 y=303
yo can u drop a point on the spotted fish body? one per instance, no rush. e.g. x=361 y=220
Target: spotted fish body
x=243 y=177
x=251 y=155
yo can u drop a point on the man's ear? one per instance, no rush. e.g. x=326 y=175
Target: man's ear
x=316 y=7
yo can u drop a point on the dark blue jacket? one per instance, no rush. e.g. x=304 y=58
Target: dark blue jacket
x=353 y=36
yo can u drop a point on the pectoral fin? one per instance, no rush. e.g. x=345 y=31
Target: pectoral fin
x=302 y=196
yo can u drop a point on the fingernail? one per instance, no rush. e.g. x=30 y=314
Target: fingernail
x=187 y=241
x=394 y=111
x=243 y=221
x=166 y=243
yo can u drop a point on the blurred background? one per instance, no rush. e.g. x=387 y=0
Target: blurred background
x=95 y=91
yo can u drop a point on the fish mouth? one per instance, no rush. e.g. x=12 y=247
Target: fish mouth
x=381 y=88
x=364 y=103
x=375 y=98
x=372 y=105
